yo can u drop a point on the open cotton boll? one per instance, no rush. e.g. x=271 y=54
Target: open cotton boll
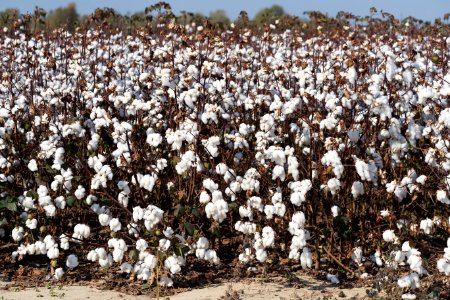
x=426 y=225
x=357 y=256
x=357 y=189
x=331 y=158
x=81 y=231
x=59 y=273
x=278 y=172
x=141 y=245
x=53 y=252
x=72 y=261
x=306 y=258
x=333 y=185
x=442 y=197
x=172 y=264
x=268 y=237
x=166 y=281
x=115 y=225
x=389 y=236
x=32 y=165
x=335 y=211
x=332 y=278
x=211 y=256
x=31 y=224
x=409 y=281
x=408 y=296
x=17 y=234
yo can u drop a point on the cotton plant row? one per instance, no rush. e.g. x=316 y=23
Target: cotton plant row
x=158 y=147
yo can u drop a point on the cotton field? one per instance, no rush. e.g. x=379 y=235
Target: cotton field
x=147 y=154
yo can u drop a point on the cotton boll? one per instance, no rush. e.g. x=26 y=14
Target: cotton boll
x=17 y=234
x=332 y=278
x=172 y=264
x=126 y=267
x=268 y=237
x=335 y=210
x=389 y=236
x=211 y=256
x=357 y=256
x=166 y=281
x=59 y=272
x=261 y=255
x=442 y=197
x=104 y=219
x=150 y=261
x=409 y=296
x=31 y=224
x=357 y=189
x=115 y=225
x=164 y=244
x=53 y=253
x=204 y=197
x=333 y=185
x=80 y=192
x=306 y=258
x=141 y=245
x=426 y=225
x=278 y=172
x=32 y=165
x=72 y=261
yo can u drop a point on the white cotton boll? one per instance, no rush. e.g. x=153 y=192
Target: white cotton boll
x=269 y=210
x=221 y=169
x=442 y=197
x=106 y=262
x=421 y=179
x=59 y=273
x=443 y=266
x=426 y=225
x=333 y=185
x=150 y=261
x=164 y=244
x=31 y=224
x=104 y=219
x=409 y=281
x=80 y=192
x=204 y=197
x=331 y=158
x=126 y=267
x=202 y=243
x=115 y=225
x=118 y=255
x=32 y=165
x=172 y=264
x=278 y=172
x=53 y=253
x=332 y=278
x=72 y=261
x=166 y=281
x=92 y=256
x=17 y=234
x=268 y=237
x=82 y=230
x=377 y=258
x=357 y=256
x=335 y=211
x=211 y=256
x=210 y=185
x=306 y=258
x=409 y=296
x=389 y=236
x=141 y=245
x=153 y=139
x=261 y=255
x=357 y=189
x=60 y=202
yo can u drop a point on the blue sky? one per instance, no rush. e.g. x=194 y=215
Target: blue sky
x=423 y=9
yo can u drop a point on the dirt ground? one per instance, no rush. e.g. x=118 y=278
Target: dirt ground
x=276 y=288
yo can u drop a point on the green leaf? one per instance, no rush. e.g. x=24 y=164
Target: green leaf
x=9 y=203
x=189 y=228
x=181 y=250
x=195 y=212
x=70 y=201
x=32 y=194
x=77 y=178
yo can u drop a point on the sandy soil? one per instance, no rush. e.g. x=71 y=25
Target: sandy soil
x=306 y=288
